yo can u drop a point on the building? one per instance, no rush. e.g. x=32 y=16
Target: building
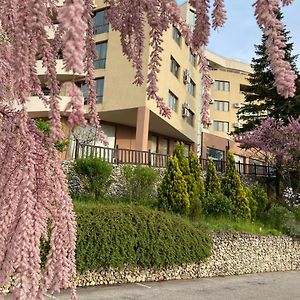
x=130 y=121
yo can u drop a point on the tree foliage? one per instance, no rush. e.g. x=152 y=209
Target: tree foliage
x=212 y=182
x=262 y=98
x=233 y=189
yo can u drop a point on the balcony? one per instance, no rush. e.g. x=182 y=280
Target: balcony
x=62 y=74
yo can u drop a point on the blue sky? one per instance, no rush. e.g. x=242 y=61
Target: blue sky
x=238 y=36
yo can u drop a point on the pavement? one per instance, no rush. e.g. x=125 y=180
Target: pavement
x=263 y=286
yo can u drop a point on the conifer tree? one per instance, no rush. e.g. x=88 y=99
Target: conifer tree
x=182 y=159
x=261 y=97
x=212 y=182
x=195 y=184
x=173 y=193
x=233 y=189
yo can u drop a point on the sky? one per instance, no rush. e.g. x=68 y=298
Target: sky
x=238 y=36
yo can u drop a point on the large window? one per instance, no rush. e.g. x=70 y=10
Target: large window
x=221 y=105
x=173 y=100
x=165 y=146
x=192 y=87
x=176 y=35
x=175 y=67
x=222 y=86
x=193 y=59
x=101 y=24
x=221 y=126
x=190 y=117
x=214 y=154
x=101 y=50
x=99 y=91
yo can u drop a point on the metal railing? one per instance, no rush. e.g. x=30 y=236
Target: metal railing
x=128 y=156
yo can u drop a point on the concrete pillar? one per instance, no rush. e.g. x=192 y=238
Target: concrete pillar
x=142 y=128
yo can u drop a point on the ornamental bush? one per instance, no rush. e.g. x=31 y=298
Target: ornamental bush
x=173 y=192
x=218 y=205
x=212 y=182
x=233 y=189
x=195 y=184
x=183 y=161
x=94 y=175
x=139 y=183
x=118 y=235
x=260 y=196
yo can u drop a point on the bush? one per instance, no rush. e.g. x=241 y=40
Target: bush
x=277 y=216
x=195 y=184
x=172 y=193
x=115 y=235
x=94 y=174
x=212 y=182
x=252 y=202
x=260 y=197
x=182 y=159
x=218 y=205
x=139 y=183
x=233 y=189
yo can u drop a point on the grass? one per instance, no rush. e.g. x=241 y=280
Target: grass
x=229 y=225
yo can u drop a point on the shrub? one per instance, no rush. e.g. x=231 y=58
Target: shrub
x=195 y=184
x=139 y=183
x=172 y=193
x=115 y=235
x=182 y=159
x=212 y=182
x=252 y=202
x=218 y=205
x=260 y=197
x=94 y=174
x=277 y=216
x=233 y=189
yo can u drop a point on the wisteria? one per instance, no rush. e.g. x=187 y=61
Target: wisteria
x=34 y=200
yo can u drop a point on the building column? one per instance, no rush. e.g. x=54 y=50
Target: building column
x=142 y=128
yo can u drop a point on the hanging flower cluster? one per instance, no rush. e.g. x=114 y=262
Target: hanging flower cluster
x=266 y=12
x=34 y=200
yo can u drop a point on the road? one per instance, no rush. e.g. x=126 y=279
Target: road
x=275 y=286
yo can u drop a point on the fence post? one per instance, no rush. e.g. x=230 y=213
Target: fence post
x=76 y=149
x=149 y=158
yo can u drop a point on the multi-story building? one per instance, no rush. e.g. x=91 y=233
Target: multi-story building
x=131 y=121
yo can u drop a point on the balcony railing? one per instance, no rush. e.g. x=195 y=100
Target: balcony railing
x=128 y=156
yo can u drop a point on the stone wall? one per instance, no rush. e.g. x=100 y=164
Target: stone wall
x=233 y=254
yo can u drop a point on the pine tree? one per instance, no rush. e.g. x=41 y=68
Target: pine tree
x=212 y=182
x=195 y=184
x=182 y=159
x=173 y=193
x=233 y=189
x=261 y=97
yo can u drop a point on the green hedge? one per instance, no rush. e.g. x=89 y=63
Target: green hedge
x=115 y=235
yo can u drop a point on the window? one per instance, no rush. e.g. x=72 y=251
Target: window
x=173 y=101
x=192 y=87
x=190 y=117
x=165 y=146
x=222 y=86
x=186 y=149
x=193 y=59
x=239 y=163
x=176 y=35
x=221 y=105
x=244 y=88
x=154 y=143
x=175 y=67
x=101 y=50
x=99 y=91
x=101 y=24
x=214 y=154
x=221 y=126
x=192 y=19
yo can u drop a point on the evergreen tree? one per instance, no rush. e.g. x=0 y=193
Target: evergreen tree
x=195 y=185
x=182 y=159
x=212 y=182
x=173 y=193
x=233 y=189
x=261 y=97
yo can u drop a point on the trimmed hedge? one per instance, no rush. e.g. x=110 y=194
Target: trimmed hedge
x=118 y=235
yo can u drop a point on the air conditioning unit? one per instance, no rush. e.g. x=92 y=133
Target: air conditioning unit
x=209 y=122
x=237 y=105
x=212 y=81
x=211 y=101
x=187 y=76
x=186 y=105
x=185 y=112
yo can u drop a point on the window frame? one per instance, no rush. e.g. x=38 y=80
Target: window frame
x=101 y=61
x=176 y=35
x=172 y=96
x=219 y=126
x=219 y=105
x=192 y=88
x=222 y=85
x=104 y=26
x=175 y=67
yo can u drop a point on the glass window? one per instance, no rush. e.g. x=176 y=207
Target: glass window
x=192 y=87
x=176 y=35
x=100 y=21
x=173 y=101
x=154 y=142
x=165 y=146
x=192 y=19
x=190 y=117
x=193 y=59
x=186 y=149
x=239 y=163
x=214 y=154
x=222 y=86
x=101 y=50
x=175 y=67
x=221 y=126
x=99 y=90
x=221 y=105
